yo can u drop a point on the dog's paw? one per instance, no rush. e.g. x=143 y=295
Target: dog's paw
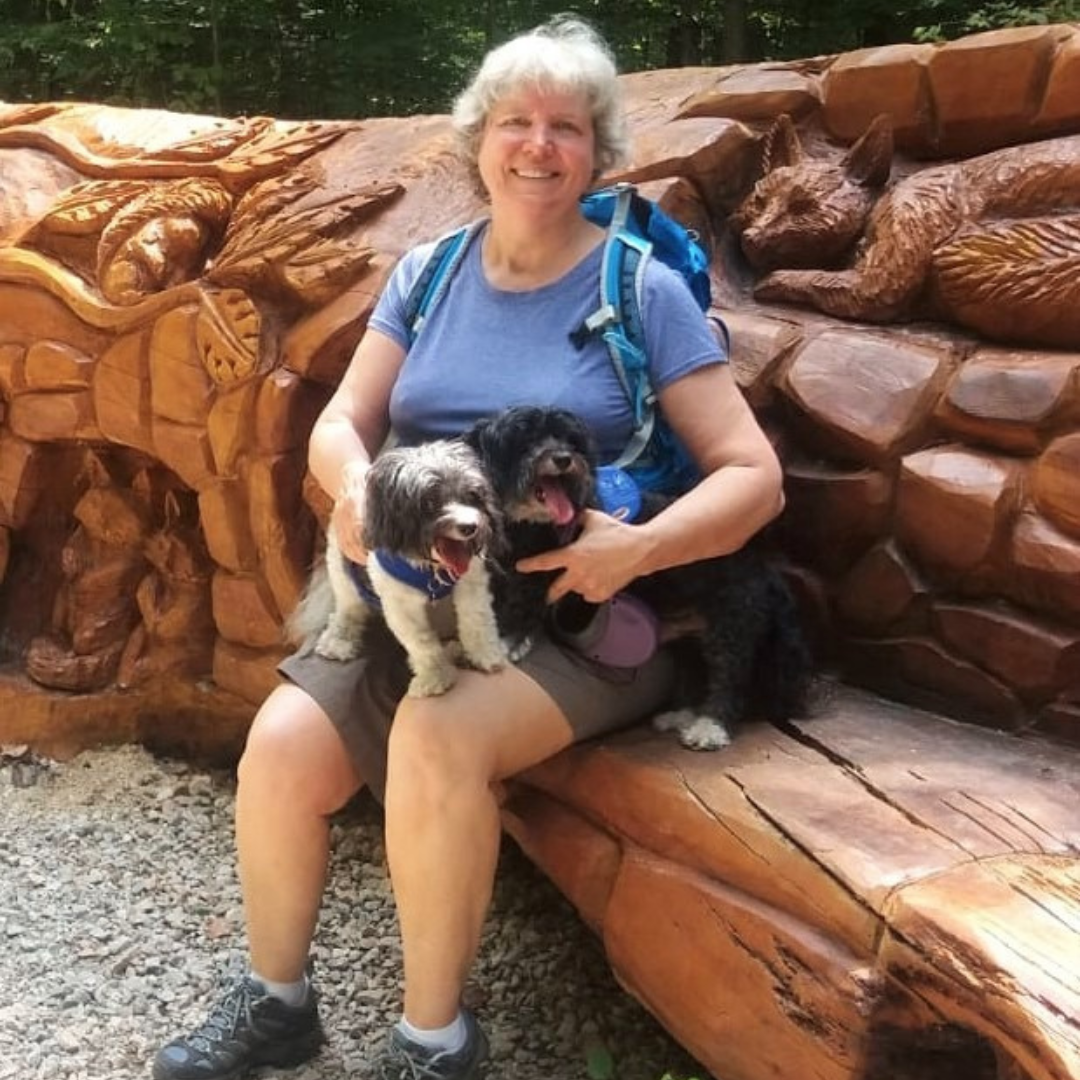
x=492 y=657
x=431 y=682
x=334 y=645
x=695 y=732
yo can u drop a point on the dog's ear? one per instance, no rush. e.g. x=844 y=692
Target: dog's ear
x=387 y=523
x=499 y=543
x=576 y=434
x=375 y=482
x=475 y=436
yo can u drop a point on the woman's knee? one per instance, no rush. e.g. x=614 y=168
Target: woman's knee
x=432 y=751
x=294 y=752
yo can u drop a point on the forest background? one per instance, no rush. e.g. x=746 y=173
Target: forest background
x=330 y=59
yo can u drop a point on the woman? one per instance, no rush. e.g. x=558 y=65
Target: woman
x=540 y=122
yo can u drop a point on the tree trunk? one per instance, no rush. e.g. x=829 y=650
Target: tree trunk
x=733 y=43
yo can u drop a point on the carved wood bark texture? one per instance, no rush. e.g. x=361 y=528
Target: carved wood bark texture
x=179 y=293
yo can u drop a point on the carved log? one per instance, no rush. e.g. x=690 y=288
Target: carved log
x=830 y=897
x=864 y=882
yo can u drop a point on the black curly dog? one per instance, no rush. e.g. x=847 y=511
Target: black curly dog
x=733 y=618
x=541 y=464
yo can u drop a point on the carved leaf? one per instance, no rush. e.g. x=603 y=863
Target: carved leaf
x=87 y=208
x=217 y=144
x=227 y=335
x=276 y=247
x=278 y=147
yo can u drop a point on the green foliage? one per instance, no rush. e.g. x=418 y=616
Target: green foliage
x=323 y=59
x=957 y=19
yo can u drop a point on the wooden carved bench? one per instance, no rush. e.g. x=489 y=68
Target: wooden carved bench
x=876 y=893
x=861 y=894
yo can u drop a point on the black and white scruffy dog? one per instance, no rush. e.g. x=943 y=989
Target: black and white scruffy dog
x=429 y=521
x=541 y=462
x=732 y=618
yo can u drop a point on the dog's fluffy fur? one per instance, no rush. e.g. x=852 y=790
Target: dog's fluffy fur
x=541 y=462
x=431 y=505
x=736 y=627
x=733 y=618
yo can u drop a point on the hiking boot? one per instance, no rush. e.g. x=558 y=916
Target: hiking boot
x=245 y=1029
x=405 y=1060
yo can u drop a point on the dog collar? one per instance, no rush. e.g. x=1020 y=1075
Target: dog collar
x=436 y=581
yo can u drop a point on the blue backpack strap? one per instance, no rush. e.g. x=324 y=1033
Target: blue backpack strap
x=618 y=319
x=638 y=230
x=435 y=275
x=621 y=285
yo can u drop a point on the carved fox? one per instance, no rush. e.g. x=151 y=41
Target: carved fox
x=992 y=242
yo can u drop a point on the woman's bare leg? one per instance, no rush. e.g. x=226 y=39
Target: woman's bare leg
x=294 y=773
x=442 y=821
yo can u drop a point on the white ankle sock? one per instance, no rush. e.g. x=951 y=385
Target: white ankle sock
x=450 y=1038
x=291 y=993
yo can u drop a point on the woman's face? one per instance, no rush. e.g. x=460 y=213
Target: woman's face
x=538 y=148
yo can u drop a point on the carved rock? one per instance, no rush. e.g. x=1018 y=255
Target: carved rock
x=1056 y=483
x=832 y=517
x=988 y=85
x=1012 y=400
x=1037 y=659
x=865 y=84
x=882 y=593
x=1045 y=568
x=953 y=508
x=754 y=94
x=867 y=399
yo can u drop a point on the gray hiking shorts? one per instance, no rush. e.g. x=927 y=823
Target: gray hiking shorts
x=361 y=696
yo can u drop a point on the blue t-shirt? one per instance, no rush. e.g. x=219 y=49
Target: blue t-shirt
x=482 y=349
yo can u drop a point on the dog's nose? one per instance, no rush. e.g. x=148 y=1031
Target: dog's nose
x=467 y=529
x=562 y=460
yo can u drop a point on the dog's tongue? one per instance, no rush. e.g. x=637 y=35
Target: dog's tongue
x=553 y=495
x=453 y=554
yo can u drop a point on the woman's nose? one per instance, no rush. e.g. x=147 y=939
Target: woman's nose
x=540 y=136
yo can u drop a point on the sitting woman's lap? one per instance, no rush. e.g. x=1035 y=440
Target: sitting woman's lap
x=575 y=699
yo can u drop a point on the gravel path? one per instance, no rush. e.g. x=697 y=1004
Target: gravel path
x=120 y=914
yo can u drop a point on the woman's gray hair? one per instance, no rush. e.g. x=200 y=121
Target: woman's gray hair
x=564 y=54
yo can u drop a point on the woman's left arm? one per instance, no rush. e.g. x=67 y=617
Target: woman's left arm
x=740 y=492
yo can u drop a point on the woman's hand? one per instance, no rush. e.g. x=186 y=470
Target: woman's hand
x=607 y=555
x=347 y=517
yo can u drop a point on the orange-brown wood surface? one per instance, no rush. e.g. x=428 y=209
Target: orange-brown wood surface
x=873 y=868
x=877 y=893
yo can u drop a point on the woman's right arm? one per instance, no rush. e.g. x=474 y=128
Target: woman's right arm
x=350 y=430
